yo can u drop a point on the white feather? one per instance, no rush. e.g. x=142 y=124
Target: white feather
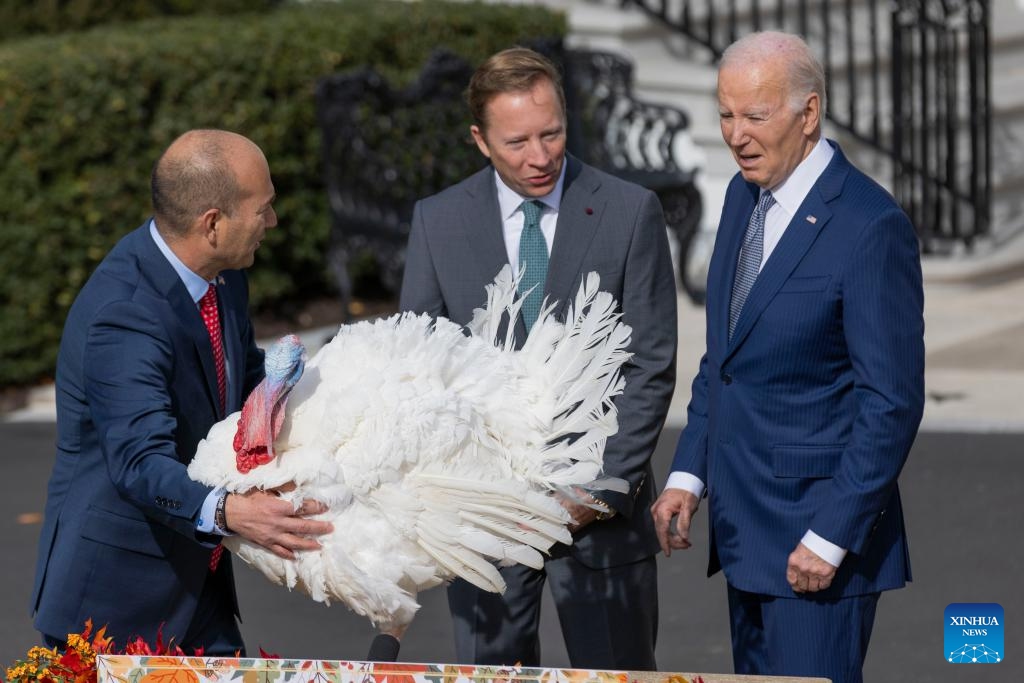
x=437 y=452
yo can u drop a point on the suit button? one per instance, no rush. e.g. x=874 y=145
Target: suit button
x=726 y=378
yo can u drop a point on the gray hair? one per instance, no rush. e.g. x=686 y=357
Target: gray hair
x=804 y=73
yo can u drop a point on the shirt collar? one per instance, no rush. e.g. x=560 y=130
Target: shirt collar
x=195 y=284
x=509 y=200
x=794 y=189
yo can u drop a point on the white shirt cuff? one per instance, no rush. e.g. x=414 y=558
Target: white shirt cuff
x=685 y=481
x=826 y=550
x=206 y=514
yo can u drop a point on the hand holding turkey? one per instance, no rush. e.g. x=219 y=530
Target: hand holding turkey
x=264 y=518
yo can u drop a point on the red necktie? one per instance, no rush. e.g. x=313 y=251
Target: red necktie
x=208 y=309
x=215 y=557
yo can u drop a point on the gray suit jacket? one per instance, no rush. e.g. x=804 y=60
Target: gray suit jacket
x=456 y=247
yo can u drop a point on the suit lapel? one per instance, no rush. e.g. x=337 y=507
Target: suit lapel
x=166 y=282
x=810 y=219
x=232 y=345
x=481 y=226
x=579 y=215
x=736 y=220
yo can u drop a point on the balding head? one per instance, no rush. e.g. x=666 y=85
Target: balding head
x=802 y=71
x=198 y=172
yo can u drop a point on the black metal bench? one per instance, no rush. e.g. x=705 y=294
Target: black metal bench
x=635 y=140
x=385 y=148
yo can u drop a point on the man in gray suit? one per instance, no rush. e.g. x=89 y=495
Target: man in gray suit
x=545 y=212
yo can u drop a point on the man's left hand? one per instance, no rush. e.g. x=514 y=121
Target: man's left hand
x=581 y=514
x=806 y=572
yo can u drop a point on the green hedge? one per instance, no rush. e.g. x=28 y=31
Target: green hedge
x=83 y=117
x=20 y=18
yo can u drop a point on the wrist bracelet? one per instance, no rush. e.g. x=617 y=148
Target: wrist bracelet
x=220 y=517
x=604 y=511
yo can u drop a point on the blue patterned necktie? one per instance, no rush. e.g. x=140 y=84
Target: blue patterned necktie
x=533 y=256
x=750 y=259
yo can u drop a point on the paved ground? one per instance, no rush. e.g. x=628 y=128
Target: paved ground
x=962 y=494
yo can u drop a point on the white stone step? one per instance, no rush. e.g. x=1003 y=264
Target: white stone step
x=1007 y=24
x=657 y=68
x=1008 y=84
x=670 y=70
x=1007 y=40
x=1007 y=220
x=602 y=26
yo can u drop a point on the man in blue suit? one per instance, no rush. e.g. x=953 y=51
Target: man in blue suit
x=128 y=539
x=810 y=392
x=604 y=585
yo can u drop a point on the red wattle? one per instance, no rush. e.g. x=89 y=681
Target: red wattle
x=254 y=436
x=260 y=423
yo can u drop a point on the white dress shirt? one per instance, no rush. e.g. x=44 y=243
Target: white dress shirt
x=512 y=217
x=788 y=197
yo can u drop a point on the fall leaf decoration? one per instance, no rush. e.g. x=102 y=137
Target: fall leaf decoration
x=160 y=662
x=77 y=662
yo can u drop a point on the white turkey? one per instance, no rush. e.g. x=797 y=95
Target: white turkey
x=437 y=451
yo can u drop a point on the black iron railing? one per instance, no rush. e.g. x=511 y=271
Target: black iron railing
x=910 y=78
x=941 y=108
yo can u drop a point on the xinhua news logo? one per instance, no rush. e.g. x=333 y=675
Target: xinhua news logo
x=974 y=633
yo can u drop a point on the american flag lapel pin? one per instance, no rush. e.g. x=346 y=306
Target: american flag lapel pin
x=812 y=219
x=220 y=279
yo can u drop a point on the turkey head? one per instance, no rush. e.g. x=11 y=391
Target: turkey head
x=264 y=410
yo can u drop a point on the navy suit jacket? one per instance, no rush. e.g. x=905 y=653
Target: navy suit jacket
x=136 y=391
x=456 y=247
x=805 y=418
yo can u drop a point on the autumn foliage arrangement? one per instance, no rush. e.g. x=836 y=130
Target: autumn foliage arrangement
x=76 y=662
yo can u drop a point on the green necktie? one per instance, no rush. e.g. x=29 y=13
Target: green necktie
x=533 y=257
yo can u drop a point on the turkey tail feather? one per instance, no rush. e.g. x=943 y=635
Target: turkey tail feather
x=439 y=454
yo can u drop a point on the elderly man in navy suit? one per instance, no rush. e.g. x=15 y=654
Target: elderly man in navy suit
x=810 y=392
x=158 y=347
x=541 y=210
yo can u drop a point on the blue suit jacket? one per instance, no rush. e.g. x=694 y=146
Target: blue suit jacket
x=805 y=418
x=136 y=391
